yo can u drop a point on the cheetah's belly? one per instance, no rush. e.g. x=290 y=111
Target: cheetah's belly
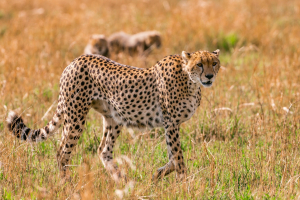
x=132 y=116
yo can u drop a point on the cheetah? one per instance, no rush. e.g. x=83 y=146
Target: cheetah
x=164 y=95
x=138 y=44
x=97 y=45
x=117 y=41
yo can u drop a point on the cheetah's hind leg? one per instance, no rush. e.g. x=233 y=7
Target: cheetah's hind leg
x=72 y=130
x=111 y=131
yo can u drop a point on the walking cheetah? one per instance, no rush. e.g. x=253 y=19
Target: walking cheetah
x=165 y=95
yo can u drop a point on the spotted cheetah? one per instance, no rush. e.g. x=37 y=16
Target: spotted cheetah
x=140 y=43
x=165 y=95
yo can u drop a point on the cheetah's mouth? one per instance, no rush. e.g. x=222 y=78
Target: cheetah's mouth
x=207 y=84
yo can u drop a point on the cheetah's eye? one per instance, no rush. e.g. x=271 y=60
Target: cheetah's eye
x=200 y=65
x=214 y=63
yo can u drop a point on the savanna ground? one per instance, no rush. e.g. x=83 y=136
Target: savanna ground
x=242 y=143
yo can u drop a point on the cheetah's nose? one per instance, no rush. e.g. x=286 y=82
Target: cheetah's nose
x=209 y=76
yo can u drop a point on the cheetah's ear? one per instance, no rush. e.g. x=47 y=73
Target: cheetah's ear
x=217 y=52
x=186 y=57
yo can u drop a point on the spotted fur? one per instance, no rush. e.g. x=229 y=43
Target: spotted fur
x=165 y=95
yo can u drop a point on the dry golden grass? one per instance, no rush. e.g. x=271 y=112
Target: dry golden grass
x=243 y=143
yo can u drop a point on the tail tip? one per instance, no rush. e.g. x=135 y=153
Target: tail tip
x=12 y=119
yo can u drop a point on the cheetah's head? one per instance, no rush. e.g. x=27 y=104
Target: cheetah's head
x=202 y=66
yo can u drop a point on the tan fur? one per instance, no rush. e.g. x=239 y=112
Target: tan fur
x=141 y=43
x=117 y=42
x=97 y=45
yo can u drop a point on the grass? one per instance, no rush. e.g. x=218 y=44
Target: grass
x=243 y=141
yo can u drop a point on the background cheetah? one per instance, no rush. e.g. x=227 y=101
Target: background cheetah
x=137 y=44
x=97 y=45
x=164 y=95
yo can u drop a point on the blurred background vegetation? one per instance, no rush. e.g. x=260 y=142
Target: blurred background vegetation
x=243 y=142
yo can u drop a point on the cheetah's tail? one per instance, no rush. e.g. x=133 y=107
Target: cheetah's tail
x=20 y=130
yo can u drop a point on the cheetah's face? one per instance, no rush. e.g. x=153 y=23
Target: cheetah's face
x=202 y=66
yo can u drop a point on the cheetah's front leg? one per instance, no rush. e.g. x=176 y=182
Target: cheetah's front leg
x=175 y=155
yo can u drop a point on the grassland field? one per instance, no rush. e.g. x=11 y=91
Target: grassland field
x=242 y=143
